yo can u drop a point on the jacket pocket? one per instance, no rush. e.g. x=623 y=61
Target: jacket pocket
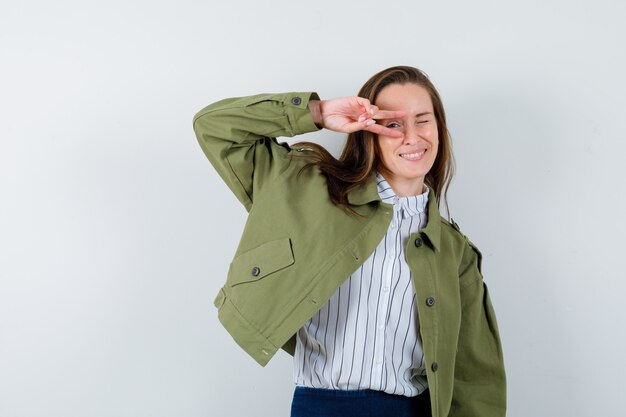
x=261 y=261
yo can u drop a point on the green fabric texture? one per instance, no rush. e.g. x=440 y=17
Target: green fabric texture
x=297 y=248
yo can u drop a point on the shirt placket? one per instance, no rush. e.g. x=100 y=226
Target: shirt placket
x=386 y=286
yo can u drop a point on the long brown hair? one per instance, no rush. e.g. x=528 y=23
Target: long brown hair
x=361 y=153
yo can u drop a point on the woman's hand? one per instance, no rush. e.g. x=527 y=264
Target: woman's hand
x=350 y=114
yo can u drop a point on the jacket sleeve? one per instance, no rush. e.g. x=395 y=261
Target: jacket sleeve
x=238 y=137
x=479 y=376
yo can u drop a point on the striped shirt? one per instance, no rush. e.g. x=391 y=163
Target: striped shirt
x=367 y=335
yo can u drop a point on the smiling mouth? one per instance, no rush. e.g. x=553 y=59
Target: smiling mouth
x=413 y=156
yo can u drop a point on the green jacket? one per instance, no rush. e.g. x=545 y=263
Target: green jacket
x=298 y=247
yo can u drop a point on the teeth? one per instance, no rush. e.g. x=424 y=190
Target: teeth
x=412 y=155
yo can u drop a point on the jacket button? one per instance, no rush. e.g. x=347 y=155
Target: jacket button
x=296 y=101
x=419 y=242
x=434 y=366
x=255 y=271
x=430 y=301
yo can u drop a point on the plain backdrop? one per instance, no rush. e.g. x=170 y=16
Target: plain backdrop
x=116 y=233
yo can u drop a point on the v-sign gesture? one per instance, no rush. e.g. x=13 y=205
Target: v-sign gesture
x=349 y=114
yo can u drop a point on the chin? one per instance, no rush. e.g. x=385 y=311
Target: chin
x=412 y=175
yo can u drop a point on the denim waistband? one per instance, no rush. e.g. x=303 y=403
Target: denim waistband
x=320 y=402
x=342 y=393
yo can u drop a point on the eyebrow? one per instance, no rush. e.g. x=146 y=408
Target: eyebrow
x=418 y=115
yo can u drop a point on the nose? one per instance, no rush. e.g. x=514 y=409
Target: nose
x=410 y=136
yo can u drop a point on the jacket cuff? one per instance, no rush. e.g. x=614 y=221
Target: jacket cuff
x=298 y=113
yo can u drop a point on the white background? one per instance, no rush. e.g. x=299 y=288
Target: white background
x=116 y=233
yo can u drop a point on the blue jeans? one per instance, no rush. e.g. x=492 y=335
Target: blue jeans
x=316 y=402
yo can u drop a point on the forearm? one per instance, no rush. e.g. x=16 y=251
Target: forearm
x=249 y=118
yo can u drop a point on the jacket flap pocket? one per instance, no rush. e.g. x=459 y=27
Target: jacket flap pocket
x=261 y=261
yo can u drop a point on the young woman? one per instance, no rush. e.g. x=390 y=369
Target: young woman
x=347 y=264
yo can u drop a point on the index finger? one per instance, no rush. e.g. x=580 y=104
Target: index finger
x=382 y=130
x=388 y=114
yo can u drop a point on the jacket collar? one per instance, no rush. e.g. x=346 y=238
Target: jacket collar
x=368 y=192
x=365 y=193
x=433 y=226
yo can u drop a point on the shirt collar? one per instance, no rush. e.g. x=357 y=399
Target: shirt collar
x=368 y=192
x=406 y=206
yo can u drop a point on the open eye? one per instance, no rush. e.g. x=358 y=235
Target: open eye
x=393 y=125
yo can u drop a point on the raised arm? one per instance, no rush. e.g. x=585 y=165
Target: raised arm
x=238 y=135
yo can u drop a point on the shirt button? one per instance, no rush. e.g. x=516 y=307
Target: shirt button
x=430 y=301
x=296 y=101
x=434 y=366
x=419 y=242
x=380 y=327
x=386 y=289
x=255 y=271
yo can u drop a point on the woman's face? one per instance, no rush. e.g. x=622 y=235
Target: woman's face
x=408 y=158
